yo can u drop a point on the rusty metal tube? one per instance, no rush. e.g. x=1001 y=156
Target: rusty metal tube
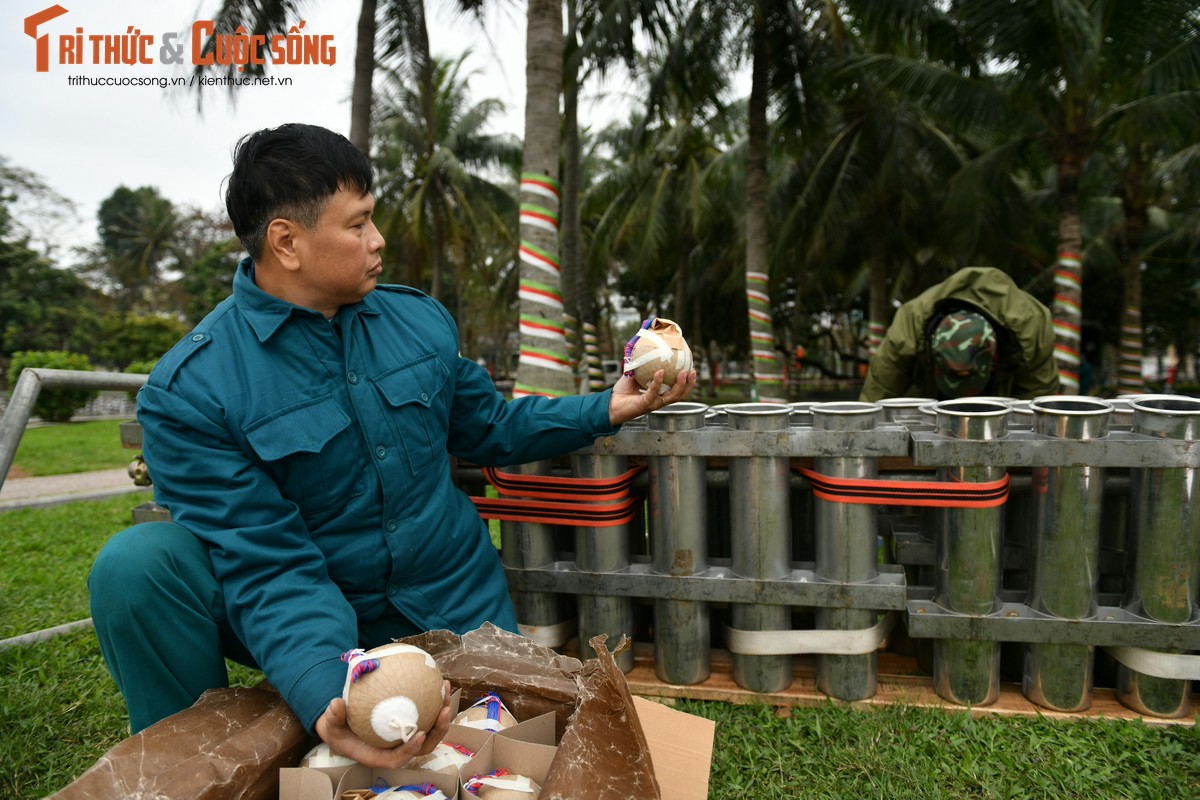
x=968 y=544
x=846 y=551
x=760 y=540
x=679 y=546
x=1066 y=548
x=541 y=616
x=1163 y=548
x=603 y=550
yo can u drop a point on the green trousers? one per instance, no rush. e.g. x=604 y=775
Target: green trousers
x=160 y=617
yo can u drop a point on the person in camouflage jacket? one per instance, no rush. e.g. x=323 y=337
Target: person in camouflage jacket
x=975 y=333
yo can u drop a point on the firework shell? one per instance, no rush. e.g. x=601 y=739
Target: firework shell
x=401 y=697
x=509 y=787
x=444 y=758
x=477 y=717
x=659 y=346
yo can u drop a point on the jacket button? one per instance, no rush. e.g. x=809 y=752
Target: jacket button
x=381 y=452
x=352 y=377
x=391 y=525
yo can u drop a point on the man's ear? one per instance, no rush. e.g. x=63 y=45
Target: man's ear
x=281 y=243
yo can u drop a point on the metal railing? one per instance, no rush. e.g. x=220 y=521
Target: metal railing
x=12 y=428
x=30 y=385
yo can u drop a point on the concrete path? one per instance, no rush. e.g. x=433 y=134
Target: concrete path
x=54 y=489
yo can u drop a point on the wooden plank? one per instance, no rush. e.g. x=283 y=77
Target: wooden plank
x=899 y=682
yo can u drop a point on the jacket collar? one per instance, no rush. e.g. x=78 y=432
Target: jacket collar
x=267 y=313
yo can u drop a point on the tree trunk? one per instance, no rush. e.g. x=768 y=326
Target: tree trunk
x=437 y=259
x=765 y=372
x=1068 y=278
x=878 y=315
x=543 y=366
x=574 y=276
x=364 y=72
x=1130 y=379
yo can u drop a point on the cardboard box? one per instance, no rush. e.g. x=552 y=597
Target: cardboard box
x=603 y=749
x=299 y=783
x=471 y=738
x=680 y=748
x=518 y=757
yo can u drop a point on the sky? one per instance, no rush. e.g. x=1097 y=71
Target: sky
x=84 y=141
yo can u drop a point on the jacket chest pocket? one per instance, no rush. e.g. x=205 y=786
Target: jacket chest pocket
x=306 y=449
x=416 y=398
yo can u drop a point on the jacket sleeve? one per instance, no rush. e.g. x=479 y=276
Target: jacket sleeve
x=1041 y=378
x=487 y=429
x=893 y=367
x=279 y=598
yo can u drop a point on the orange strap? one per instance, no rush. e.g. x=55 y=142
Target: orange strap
x=555 y=500
x=907 y=493
x=550 y=487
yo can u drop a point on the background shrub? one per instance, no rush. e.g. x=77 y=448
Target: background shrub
x=141 y=368
x=53 y=405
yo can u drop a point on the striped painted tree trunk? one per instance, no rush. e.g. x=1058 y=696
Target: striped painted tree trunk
x=766 y=368
x=1129 y=370
x=591 y=355
x=1067 y=315
x=1068 y=275
x=543 y=366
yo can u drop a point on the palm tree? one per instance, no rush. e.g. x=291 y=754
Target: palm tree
x=599 y=33
x=781 y=40
x=393 y=29
x=876 y=163
x=660 y=203
x=1059 y=69
x=434 y=160
x=138 y=230
x=1148 y=176
x=544 y=367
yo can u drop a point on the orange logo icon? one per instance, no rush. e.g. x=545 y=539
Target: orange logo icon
x=43 y=42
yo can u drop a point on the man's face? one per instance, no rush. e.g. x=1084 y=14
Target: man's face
x=339 y=258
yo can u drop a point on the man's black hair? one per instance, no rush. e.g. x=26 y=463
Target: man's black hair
x=289 y=172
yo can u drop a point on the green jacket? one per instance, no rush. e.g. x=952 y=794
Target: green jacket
x=903 y=366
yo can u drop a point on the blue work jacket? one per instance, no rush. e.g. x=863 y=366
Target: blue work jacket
x=311 y=456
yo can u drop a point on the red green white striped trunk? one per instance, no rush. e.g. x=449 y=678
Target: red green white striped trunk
x=544 y=366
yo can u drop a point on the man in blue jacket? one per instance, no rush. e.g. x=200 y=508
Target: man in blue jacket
x=299 y=437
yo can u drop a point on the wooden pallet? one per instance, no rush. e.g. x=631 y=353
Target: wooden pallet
x=899 y=681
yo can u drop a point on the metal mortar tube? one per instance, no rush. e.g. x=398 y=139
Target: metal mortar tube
x=541 y=616
x=1164 y=539
x=760 y=534
x=603 y=550
x=903 y=409
x=968 y=549
x=1066 y=561
x=679 y=546
x=846 y=551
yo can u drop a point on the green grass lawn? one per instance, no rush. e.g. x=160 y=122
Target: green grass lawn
x=61 y=711
x=72 y=447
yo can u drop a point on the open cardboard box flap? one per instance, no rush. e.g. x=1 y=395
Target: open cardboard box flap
x=680 y=747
